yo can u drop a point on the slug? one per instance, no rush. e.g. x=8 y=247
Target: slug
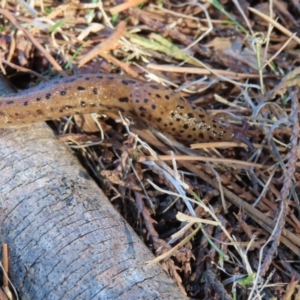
x=152 y=103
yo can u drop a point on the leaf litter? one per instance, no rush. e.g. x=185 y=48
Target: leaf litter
x=222 y=221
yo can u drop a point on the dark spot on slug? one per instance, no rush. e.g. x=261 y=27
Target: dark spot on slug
x=178 y=119
x=171 y=124
x=201 y=135
x=155 y=87
x=211 y=138
x=9 y=102
x=149 y=94
x=39 y=112
x=142 y=108
x=25 y=103
x=201 y=116
x=111 y=77
x=167 y=97
x=17 y=114
x=173 y=129
x=80 y=88
x=95 y=91
x=172 y=115
x=158 y=96
x=83 y=103
x=179 y=107
x=123 y=99
x=128 y=81
x=99 y=77
x=159 y=120
x=48 y=96
x=190 y=116
x=153 y=106
x=38 y=99
x=87 y=78
x=146 y=100
x=166 y=125
x=181 y=131
x=63 y=93
x=185 y=126
x=194 y=129
x=137 y=101
x=189 y=136
x=143 y=115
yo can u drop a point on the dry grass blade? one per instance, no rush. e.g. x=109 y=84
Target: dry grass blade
x=202 y=71
x=275 y=24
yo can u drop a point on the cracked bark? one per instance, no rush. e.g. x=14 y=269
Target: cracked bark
x=66 y=241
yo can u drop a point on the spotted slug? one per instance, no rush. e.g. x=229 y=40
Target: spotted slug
x=151 y=103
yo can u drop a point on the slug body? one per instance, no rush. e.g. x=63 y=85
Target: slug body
x=152 y=103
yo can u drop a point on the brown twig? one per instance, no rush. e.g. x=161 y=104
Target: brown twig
x=242 y=164
x=202 y=71
x=124 y=66
x=109 y=44
x=123 y=6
